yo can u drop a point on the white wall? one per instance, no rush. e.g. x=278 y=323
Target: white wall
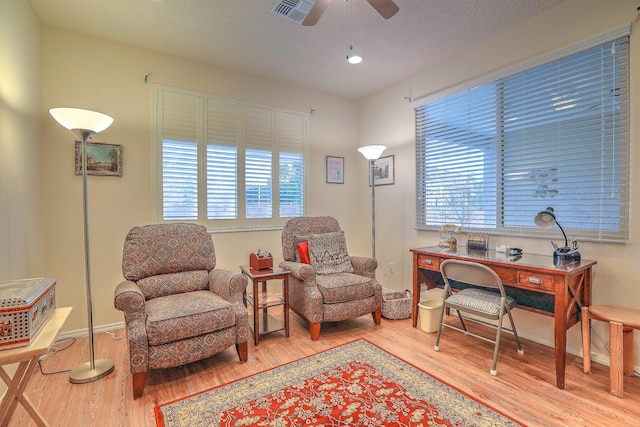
x=21 y=212
x=387 y=118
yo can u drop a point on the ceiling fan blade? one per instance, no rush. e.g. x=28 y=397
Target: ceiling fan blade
x=316 y=12
x=386 y=8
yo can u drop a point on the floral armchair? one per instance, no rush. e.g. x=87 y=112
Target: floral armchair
x=178 y=308
x=330 y=285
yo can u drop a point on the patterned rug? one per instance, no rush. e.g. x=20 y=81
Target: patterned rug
x=356 y=384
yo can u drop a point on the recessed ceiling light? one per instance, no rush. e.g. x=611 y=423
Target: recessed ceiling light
x=353 y=57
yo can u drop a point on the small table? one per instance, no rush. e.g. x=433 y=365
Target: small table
x=266 y=323
x=27 y=357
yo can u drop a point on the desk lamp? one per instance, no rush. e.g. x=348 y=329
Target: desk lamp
x=547 y=218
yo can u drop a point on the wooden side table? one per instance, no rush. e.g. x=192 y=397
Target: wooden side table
x=265 y=323
x=27 y=357
x=622 y=321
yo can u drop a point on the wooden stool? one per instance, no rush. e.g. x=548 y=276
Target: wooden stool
x=622 y=322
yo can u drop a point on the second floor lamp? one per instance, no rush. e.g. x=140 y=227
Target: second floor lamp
x=372 y=153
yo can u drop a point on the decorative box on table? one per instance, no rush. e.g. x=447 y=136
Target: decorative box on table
x=25 y=306
x=260 y=260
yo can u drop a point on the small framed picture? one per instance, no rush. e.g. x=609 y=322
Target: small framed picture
x=335 y=170
x=102 y=159
x=383 y=171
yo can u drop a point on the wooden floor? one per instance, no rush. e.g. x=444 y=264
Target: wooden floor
x=524 y=388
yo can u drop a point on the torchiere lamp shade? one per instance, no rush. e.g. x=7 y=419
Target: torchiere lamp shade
x=372 y=152
x=76 y=118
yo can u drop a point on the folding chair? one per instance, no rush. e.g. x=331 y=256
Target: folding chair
x=486 y=300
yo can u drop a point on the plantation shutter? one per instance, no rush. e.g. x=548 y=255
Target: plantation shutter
x=491 y=157
x=228 y=165
x=290 y=128
x=179 y=156
x=223 y=138
x=258 y=162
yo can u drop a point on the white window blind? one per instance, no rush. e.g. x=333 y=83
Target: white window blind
x=226 y=164
x=491 y=157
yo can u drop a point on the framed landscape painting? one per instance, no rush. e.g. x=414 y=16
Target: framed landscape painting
x=102 y=159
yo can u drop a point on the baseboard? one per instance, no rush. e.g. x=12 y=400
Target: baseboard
x=78 y=333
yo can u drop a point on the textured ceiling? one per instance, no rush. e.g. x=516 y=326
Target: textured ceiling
x=244 y=35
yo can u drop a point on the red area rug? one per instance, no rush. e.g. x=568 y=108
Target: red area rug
x=356 y=384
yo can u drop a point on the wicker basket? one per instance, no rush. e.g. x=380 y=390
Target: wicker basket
x=396 y=304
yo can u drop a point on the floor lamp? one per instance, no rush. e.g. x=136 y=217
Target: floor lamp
x=85 y=124
x=372 y=153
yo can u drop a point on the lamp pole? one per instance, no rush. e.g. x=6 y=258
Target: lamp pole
x=373 y=207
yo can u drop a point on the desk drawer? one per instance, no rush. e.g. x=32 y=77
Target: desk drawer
x=429 y=262
x=535 y=281
x=507 y=275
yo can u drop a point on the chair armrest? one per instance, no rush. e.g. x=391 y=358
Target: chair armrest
x=128 y=298
x=229 y=285
x=301 y=271
x=364 y=266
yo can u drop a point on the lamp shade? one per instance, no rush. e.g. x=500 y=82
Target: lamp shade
x=372 y=152
x=76 y=118
x=545 y=218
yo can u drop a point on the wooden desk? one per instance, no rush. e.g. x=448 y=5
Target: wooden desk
x=27 y=357
x=267 y=323
x=570 y=285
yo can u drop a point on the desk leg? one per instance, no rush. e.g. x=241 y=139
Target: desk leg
x=15 y=393
x=560 y=331
x=416 y=291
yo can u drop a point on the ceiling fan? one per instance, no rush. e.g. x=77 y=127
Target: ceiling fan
x=308 y=12
x=386 y=8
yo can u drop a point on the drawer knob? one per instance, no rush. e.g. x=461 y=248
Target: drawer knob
x=535 y=280
x=428 y=261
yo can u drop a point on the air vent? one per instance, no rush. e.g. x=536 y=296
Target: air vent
x=293 y=10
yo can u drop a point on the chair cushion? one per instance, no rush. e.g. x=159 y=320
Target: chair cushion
x=174 y=283
x=328 y=253
x=343 y=287
x=181 y=316
x=481 y=300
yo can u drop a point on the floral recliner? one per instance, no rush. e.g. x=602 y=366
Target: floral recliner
x=178 y=307
x=332 y=296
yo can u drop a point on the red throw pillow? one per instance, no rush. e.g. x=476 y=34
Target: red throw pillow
x=303 y=252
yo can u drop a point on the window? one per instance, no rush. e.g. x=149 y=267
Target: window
x=228 y=165
x=491 y=155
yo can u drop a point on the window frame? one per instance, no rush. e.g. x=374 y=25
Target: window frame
x=241 y=223
x=499 y=228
